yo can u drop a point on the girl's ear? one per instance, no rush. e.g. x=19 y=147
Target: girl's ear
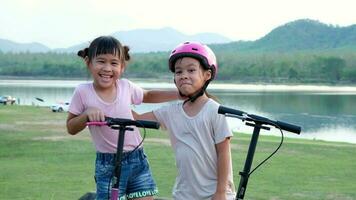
x=208 y=74
x=86 y=60
x=123 y=67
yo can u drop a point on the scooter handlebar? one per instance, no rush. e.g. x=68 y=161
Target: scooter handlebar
x=129 y=122
x=223 y=110
x=96 y=123
x=109 y=121
x=289 y=127
x=249 y=117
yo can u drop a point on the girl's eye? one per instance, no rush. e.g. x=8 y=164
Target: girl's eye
x=115 y=64
x=191 y=70
x=178 y=72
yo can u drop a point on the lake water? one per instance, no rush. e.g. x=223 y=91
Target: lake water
x=325 y=113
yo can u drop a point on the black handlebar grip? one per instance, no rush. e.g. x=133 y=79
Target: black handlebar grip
x=147 y=124
x=129 y=122
x=223 y=110
x=289 y=127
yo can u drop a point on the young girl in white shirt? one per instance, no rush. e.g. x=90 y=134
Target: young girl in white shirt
x=199 y=135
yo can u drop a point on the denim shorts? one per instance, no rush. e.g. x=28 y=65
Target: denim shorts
x=136 y=180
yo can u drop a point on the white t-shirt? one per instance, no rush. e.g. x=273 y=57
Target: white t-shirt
x=193 y=140
x=105 y=138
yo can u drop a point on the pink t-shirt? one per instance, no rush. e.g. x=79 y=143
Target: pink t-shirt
x=105 y=138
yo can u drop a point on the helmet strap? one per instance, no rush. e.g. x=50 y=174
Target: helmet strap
x=198 y=94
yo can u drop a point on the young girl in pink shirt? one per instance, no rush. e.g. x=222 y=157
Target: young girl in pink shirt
x=108 y=95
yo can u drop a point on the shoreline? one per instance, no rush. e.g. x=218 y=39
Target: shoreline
x=165 y=84
x=168 y=80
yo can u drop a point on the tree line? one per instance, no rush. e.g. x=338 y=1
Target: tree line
x=334 y=67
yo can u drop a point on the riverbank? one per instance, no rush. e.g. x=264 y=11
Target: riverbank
x=215 y=86
x=169 y=80
x=42 y=161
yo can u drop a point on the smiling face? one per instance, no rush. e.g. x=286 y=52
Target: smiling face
x=189 y=76
x=105 y=69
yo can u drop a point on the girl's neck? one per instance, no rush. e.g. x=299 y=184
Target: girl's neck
x=193 y=108
x=106 y=94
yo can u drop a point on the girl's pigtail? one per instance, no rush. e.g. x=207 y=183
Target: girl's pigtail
x=126 y=53
x=83 y=53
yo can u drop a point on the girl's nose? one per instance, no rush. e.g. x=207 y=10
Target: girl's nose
x=184 y=75
x=106 y=67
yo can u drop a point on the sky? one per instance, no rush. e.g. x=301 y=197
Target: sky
x=63 y=23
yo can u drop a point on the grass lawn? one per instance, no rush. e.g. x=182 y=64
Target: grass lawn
x=39 y=160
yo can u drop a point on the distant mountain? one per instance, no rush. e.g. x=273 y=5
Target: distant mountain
x=304 y=34
x=72 y=49
x=10 y=46
x=152 y=40
x=139 y=40
x=307 y=34
x=145 y=40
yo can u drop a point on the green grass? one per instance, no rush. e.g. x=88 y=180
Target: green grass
x=39 y=160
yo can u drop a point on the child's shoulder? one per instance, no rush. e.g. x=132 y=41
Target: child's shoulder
x=123 y=82
x=174 y=106
x=211 y=108
x=84 y=86
x=213 y=104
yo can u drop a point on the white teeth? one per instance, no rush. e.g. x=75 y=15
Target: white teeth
x=105 y=76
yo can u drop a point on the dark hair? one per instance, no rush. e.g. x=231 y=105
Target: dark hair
x=105 y=45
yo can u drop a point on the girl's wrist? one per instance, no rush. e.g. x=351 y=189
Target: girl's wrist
x=221 y=190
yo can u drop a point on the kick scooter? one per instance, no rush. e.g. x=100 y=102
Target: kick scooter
x=257 y=122
x=122 y=125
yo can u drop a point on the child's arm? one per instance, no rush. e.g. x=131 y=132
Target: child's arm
x=158 y=96
x=76 y=123
x=145 y=116
x=223 y=152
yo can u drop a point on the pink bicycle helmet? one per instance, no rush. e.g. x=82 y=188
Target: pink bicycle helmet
x=195 y=50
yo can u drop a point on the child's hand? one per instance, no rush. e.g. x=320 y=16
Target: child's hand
x=95 y=114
